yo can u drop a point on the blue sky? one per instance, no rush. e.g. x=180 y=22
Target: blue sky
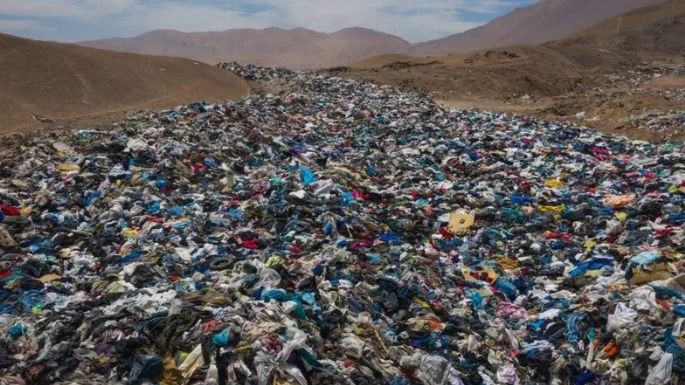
x=76 y=20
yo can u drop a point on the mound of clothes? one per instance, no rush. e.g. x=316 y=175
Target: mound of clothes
x=340 y=232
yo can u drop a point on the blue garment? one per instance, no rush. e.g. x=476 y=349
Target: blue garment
x=507 y=287
x=679 y=310
x=520 y=199
x=91 y=196
x=17 y=330
x=584 y=378
x=665 y=292
x=476 y=298
x=391 y=238
x=132 y=256
x=236 y=214
x=593 y=264
x=221 y=339
x=573 y=333
x=671 y=346
x=155 y=208
x=307 y=176
x=645 y=258
x=328 y=228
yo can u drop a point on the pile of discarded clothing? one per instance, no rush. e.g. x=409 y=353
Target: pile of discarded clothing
x=339 y=232
x=256 y=73
x=658 y=121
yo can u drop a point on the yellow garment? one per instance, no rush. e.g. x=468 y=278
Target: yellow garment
x=593 y=273
x=68 y=252
x=422 y=303
x=182 y=356
x=49 y=278
x=554 y=183
x=274 y=260
x=461 y=222
x=655 y=272
x=116 y=287
x=68 y=167
x=507 y=264
x=172 y=376
x=551 y=208
x=137 y=180
x=129 y=232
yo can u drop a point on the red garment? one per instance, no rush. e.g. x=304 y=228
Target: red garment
x=251 y=244
x=364 y=243
x=664 y=232
x=199 y=168
x=663 y=303
x=155 y=219
x=210 y=326
x=10 y=210
x=446 y=233
x=601 y=153
x=360 y=196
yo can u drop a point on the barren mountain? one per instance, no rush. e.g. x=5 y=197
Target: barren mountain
x=42 y=81
x=541 y=22
x=624 y=73
x=301 y=48
x=656 y=32
x=293 y=48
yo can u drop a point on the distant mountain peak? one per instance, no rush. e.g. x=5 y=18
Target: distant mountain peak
x=299 y=47
x=539 y=22
x=274 y=46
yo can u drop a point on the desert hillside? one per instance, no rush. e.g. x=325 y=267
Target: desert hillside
x=44 y=81
x=544 y=21
x=616 y=75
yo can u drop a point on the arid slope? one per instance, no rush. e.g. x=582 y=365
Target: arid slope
x=42 y=81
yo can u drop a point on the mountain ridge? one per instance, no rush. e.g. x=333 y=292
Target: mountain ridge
x=296 y=47
x=302 y=48
x=544 y=21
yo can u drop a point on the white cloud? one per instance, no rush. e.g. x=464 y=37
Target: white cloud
x=194 y=17
x=412 y=19
x=64 y=8
x=13 y=26
x=415 y=20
